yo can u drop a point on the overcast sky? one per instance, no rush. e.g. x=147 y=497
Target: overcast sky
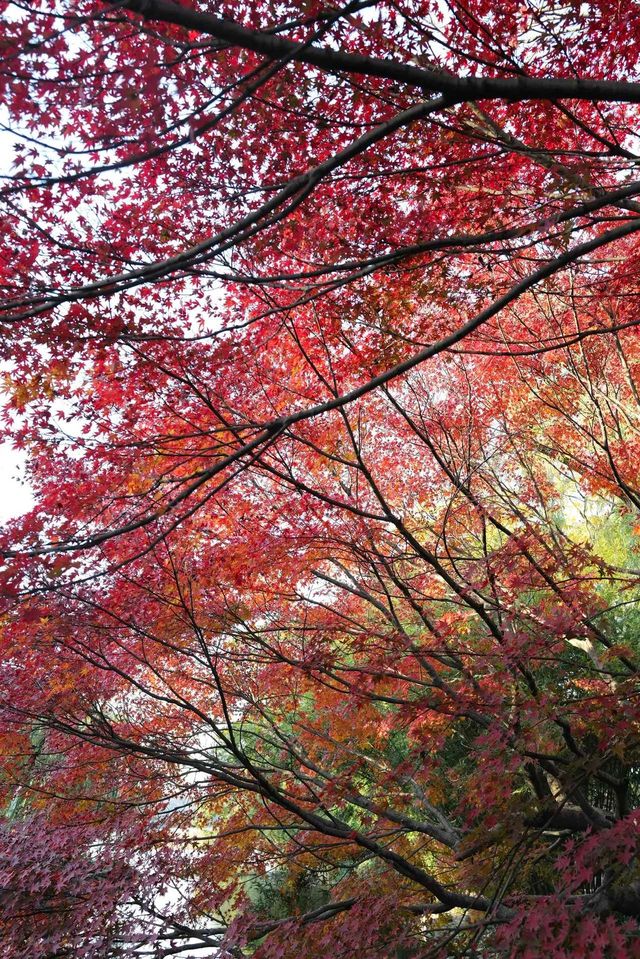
x=15 y=497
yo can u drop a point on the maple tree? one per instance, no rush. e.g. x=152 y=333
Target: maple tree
x=320 y=336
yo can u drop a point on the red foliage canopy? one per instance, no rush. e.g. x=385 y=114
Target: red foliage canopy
x=319 y=330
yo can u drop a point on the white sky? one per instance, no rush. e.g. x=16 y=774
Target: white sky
x=15 y=497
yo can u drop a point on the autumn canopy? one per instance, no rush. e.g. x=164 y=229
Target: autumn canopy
x=319 y=333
